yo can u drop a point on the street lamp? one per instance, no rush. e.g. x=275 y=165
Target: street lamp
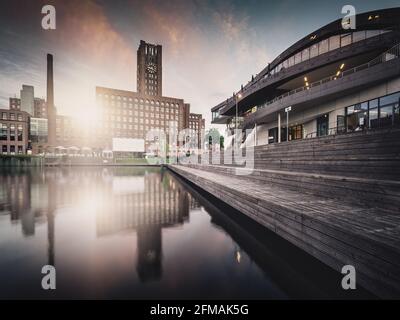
x=237 y=97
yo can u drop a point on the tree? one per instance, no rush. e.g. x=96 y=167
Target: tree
x=213 y=137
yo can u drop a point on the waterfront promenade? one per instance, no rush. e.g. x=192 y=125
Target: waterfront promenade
x=347 y=218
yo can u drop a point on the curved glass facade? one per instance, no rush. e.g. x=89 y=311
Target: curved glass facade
x=324 y=46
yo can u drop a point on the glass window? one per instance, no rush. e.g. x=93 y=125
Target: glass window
x=286 y=64
x=397 y=113
x=358 y=36
x=4 y=115
x=345 y=39
x=373 y=117
x=3 y=132
x=297 y=58
x=393 y=98
x=305 y=54
x=314 y=51
x=324 y=46
x=4 y=149
x=334 y=42
x=12 y=132
x=373 y=103
x=291 y=61
x=386 y=116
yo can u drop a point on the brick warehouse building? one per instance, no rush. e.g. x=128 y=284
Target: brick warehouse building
x=129 y=115
x=14 y=131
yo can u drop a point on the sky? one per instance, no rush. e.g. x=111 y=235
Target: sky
x=210 y=47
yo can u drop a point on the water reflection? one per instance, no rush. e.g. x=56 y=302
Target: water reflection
x=141 y=233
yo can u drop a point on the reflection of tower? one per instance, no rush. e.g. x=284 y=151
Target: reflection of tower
x=149 y=246
x=50 y=102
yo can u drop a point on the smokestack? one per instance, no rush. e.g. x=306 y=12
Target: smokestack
x=50 y=103
x=50 y=84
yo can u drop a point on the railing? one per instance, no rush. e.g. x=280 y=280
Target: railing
x=389 y=55
x=249 y=88
x=331 y=131
x=343 y=130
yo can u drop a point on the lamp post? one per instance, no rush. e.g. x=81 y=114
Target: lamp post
x=287 y=110
x=237 y=97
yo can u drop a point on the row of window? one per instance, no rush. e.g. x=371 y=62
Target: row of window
x=136 y=107
x=325 y=46
x=123 y=98
x=126 y=132
x=141 y=118
x=12 y=149
x=375 y=113
x=11 y=116
x=12 y=133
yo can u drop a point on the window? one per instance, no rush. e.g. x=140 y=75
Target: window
x=358 y=36
x=345 y=39
x=296 y=132
x=291 y=61
x=4 y=149
x=20 y=133
x=19 y=117
x=356 y=117
x=12 y=149
x=305 y=54
x=334 y=42
x=297 y=58
x=324 y=46
x=390 y=99
x=386 y=116
x=4 y=115
x=19 y=149
x=3 y=132
x=314 y=51
x=12 y=132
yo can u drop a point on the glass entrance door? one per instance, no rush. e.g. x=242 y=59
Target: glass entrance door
x=323 y=125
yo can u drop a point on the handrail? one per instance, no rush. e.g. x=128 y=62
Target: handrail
x=249 y=86
x=393 y=53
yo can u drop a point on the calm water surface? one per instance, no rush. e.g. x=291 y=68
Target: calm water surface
x=142 y=233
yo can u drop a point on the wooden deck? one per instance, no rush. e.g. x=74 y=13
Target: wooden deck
x=337 y=230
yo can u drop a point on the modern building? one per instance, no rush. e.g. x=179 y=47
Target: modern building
x=38 y=135
x=14 y=131
x=334 y=80
x=149 y=69
x=27 y=99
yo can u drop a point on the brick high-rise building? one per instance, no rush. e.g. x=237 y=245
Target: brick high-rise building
x=149 y=69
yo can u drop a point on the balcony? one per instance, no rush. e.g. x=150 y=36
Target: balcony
x=384 y=67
